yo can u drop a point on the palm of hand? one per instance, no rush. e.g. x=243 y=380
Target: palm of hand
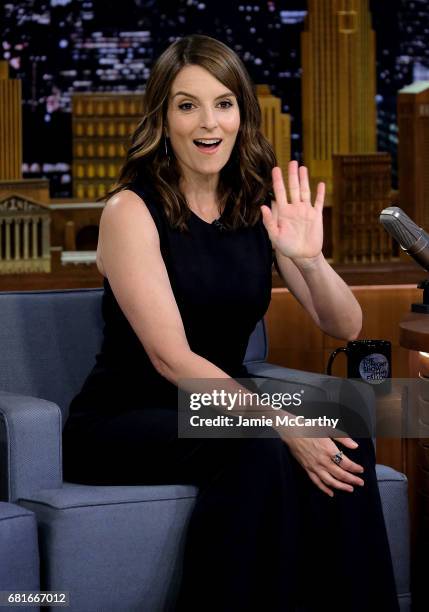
x=296 y=228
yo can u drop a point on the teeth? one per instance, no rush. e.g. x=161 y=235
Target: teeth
x=203 y=141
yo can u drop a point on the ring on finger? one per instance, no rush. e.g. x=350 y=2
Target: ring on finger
x=338 y=457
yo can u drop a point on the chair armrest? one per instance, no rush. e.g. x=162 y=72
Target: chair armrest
x=20 y=566
x=358 y=395
x=393 y=487
x=270 y=370
x=30 y=445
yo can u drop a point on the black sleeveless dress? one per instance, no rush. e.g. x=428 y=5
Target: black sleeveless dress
x=261 y=532
x=221 y=281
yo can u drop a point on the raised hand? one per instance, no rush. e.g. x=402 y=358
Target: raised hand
x=295 y=228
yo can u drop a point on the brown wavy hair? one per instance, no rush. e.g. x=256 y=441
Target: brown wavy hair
x=245 y=181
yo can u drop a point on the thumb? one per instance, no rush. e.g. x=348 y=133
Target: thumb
x=269 y=222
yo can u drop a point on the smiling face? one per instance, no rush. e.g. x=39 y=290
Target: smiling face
x=201 y=109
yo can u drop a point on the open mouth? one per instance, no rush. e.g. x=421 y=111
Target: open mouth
x=208 y=145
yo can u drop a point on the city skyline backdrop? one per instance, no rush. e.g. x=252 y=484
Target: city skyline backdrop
x=65 y=46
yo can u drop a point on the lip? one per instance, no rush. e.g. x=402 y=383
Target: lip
x=206 y=151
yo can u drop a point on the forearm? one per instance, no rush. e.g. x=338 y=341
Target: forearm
x=188 y=365
x=339 y=312
x=195 y=374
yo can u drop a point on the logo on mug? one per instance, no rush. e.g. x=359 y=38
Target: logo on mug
x=369 y=360
x=374 y=368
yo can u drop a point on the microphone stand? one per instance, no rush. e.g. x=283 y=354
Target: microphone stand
x=422 y=307
x=414 y=326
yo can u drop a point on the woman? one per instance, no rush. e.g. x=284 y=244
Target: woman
x=187 y=262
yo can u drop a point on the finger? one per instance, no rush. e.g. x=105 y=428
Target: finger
x=275 y=211
x=269 y=222
x=346 y=463
x=333 y=482
x=279 y=187
x=351 y=466
x=293 y=183
x=320 y=196
x=314 y=477
x=349 y=442
x=304 y=185
x=340 y=472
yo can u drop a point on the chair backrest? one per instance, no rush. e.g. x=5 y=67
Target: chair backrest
x=49 y=339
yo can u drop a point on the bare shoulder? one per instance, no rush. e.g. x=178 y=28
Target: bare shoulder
x=126 y=205
x=125 y=216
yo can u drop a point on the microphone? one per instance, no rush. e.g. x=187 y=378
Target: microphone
x=218 y=225
x=412 y=238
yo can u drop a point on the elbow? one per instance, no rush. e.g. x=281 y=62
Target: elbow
x=171 y=366
x=346 y=334
x=347 y=330
x=164 y=368
x=353 y=336
x=356 y=328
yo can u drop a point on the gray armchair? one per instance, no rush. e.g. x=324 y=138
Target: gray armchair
x=113 y=548
x=19 y=553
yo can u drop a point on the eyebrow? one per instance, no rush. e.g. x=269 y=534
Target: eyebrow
x=188 y=95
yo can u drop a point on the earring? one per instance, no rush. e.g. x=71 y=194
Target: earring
x=166 y=151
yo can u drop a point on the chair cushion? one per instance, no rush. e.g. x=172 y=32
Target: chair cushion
x=113 y=548
x=73 y=495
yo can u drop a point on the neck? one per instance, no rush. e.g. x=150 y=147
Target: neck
x=201 y=193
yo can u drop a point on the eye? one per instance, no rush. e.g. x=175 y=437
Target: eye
x=185 y=106
x=226 y=102
x=181 y=106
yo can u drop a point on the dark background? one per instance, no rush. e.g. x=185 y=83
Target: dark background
x=60 y=46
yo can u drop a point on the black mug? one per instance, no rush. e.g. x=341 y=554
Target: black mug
x=367 y=360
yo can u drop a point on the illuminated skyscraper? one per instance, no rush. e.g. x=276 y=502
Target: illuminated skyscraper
x=24 y=222
x=102 y=126
x=11 y=180
x=10 y=126
x=275 y=125
x=362 y=188
x=338 y=84
x=413 y=151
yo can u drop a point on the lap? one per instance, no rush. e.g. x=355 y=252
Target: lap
x=142 y=447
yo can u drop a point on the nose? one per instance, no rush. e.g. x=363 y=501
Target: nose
x=208 y=118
